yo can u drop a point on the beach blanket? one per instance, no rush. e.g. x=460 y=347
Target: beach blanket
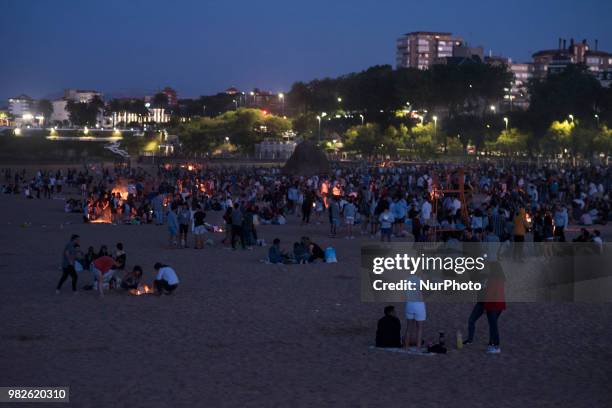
x=400 y=351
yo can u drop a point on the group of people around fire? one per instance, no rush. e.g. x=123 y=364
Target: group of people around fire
x=104 y=270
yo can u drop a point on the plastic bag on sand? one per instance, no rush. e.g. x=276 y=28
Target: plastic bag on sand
x=330 y=255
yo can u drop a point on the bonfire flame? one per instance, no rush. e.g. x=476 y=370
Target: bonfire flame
x=141 y=290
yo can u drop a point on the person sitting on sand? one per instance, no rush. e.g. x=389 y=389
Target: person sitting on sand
x=120 y=256
x=131 y=280
x=315 y=251
x=88 y=258
x=276 y=254
x=388 y=332
x=102 y=252
x=300 y=252
x=166 y=281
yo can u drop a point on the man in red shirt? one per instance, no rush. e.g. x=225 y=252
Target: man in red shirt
x=493 y=305
x=103 y=271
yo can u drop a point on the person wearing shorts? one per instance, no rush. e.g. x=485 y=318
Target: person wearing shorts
x=199 y=229
x=349 y=218
x=386 y=221
x=416 y=314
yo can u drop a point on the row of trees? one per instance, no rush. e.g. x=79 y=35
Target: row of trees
x=466 y=88
x=426 y=140
x=242 y=128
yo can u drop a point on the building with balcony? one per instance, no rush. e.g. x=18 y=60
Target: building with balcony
x=553 y=61
x=422 y=49
x=20 y=105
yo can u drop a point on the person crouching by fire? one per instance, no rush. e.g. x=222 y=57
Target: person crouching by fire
x=103 y=269
x=166 y=280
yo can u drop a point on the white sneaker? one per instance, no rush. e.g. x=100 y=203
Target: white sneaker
x=493 y=350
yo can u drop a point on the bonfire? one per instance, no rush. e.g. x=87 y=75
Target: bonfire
x=141 y=290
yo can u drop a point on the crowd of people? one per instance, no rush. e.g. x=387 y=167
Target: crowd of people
x=480 y=202
x=390 y=202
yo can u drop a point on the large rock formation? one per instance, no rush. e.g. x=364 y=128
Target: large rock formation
x=307 y=159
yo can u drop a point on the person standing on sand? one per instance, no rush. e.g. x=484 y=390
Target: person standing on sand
x=184 y=218
x=68 y=258
x=307 y=205
x=386 y=220
x=334 y=216
x=416 y=314
x=492 y=303
x=199 y=229
x=236 y=220
x=349 y=217
x=173 y=226
x=520 y=227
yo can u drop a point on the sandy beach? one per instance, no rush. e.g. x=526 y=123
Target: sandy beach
x=239 y=332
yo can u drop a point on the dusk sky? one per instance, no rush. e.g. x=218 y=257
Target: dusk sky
x=202 y=47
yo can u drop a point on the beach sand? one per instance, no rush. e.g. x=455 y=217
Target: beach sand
x=239 y=332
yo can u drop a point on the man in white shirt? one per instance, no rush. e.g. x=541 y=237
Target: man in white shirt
x=166 y=280
x=426 y=212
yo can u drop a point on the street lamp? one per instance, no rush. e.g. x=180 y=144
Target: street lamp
x=492 y=108
x=435 y=119
x=597 y=118
x=571 y=117
x=362 y=119
x=281 y=96
x=506 y=122
x=319 y=134
x=235 y=103
x=339 y=100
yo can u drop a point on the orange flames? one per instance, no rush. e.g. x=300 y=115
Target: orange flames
x=141 y=290
x=101 y=220
x=120 y=190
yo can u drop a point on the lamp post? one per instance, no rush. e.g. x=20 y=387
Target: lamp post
x=235 y=104
x=492 y=107
x=281 y=97
x=506 y=122
x=597 y=119
x=362 y=118
x=571 y=117
x=319 y=134
x=435 y=119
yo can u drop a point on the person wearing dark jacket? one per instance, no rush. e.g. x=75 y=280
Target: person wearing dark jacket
x=388 y=332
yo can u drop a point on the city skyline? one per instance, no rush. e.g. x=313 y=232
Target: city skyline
x=204 y=48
